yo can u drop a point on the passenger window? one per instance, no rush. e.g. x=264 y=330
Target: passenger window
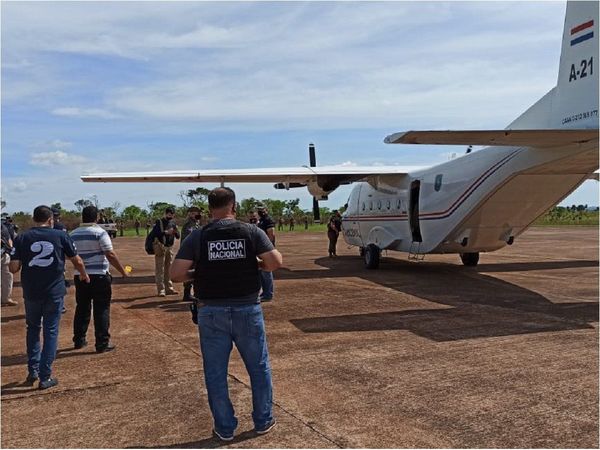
x=399 y=206
x=371 y=205
x=379 y=204
x=389 y=204
x=438 y=182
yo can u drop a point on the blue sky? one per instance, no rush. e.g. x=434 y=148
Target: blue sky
x=100 y=87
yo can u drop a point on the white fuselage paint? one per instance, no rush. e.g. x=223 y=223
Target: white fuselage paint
x=481 y=200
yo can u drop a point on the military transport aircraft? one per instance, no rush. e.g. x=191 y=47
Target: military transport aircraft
x=479 y=202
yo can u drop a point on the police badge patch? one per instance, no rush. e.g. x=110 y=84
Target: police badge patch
x=225 y=250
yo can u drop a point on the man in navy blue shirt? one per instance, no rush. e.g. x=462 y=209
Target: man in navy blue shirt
x=41 y=253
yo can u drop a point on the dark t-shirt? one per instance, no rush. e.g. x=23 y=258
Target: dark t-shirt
x=42 y=252
x=190 y=247
x=265 y=223
x=167 y=240
x=60 y=226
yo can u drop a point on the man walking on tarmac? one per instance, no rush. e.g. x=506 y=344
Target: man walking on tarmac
x=223 y=251
x=41 y=253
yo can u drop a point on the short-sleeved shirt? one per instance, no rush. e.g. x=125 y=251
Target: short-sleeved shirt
x=92 y=241
x=42 y=253
x=190 y=248
x=264 y=223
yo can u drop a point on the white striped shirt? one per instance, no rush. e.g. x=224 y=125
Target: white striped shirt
x=91 y=242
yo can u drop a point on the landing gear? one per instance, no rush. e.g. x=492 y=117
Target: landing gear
x=470 y=259
x=371 y=255
x=361 y=251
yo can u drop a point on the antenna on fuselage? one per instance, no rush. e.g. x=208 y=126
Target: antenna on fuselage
x=312 y=162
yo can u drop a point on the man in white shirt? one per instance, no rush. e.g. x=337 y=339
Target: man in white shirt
x=95 y=248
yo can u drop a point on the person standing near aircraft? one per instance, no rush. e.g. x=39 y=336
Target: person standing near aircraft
x=58 y=225
x=334 y=227
x=192 y=223
x=96 y=251
x=165 y=232
x=41 y=253
x=137 y=224
x=266 y=224
x=7 y=276
x=223 y=250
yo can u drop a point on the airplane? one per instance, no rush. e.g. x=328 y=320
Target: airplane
x=479 y=202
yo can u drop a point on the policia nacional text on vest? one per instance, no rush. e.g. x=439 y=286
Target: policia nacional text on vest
x=226 y=268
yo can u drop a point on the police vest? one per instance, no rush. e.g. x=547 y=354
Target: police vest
x=227 y=267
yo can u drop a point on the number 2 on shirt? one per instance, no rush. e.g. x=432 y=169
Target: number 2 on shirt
x=44 y=248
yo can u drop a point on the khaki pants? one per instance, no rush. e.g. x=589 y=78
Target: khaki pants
x=7 y=279
x=163 y=256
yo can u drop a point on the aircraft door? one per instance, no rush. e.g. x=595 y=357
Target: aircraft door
x=413 y=211
x=351 y=223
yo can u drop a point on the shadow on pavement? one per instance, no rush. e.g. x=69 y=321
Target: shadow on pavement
x=211 y=442
x=21 y=358
x=11 y=318
x=478 y=305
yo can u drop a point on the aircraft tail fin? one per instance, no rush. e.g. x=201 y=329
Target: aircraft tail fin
x=573 y=103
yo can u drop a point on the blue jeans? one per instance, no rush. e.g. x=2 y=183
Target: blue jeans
x=266 y=282
x=220 y=327
x=39 y=360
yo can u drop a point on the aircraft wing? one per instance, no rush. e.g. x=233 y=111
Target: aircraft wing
x=297 y=175
x=512 y=138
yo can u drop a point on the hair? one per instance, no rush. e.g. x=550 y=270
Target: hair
x=89 y=214
x=221 y=197
x=194 y=209
x=41 y=214
x=169 y=210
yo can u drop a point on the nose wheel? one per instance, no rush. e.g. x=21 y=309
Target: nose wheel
x=371 y=255
x=470 y=259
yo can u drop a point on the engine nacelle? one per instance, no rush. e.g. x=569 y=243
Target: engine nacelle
x=319 y=192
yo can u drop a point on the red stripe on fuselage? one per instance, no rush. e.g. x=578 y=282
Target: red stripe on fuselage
x=583 y=26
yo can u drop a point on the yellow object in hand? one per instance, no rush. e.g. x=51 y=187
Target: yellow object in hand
x=128 y=269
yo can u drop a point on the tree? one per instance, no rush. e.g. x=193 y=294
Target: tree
x=132 y=212
x=195 y=197
x=247 y=205
x=82 y=203
x=157 y=209
x=56 y=205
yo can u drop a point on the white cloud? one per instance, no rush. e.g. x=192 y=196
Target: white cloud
x=84 y=112
x=209 y=159
x=56 y=158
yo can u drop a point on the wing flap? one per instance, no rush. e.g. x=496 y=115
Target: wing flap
x=512 y=138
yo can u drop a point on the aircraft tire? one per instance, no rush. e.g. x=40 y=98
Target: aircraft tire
x=372 y=254
x=470 y=259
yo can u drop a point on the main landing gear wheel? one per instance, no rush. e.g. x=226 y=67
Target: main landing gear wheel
x=470 y=259
x=372 y=254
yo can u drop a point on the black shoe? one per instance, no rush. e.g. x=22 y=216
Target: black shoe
x=189 y=299
x=268 y=427
x=265 y=299
x=47 y=384
x=108 y=348
x=80 y=344
x=31 y=379
x=222 y=436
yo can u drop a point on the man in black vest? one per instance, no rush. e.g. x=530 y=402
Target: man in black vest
x=227 y=255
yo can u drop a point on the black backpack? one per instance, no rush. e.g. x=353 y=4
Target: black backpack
x=149 y=244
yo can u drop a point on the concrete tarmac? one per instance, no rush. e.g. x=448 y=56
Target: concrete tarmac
x=415 y=354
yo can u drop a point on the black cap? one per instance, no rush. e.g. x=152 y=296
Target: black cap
x=55 y=212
